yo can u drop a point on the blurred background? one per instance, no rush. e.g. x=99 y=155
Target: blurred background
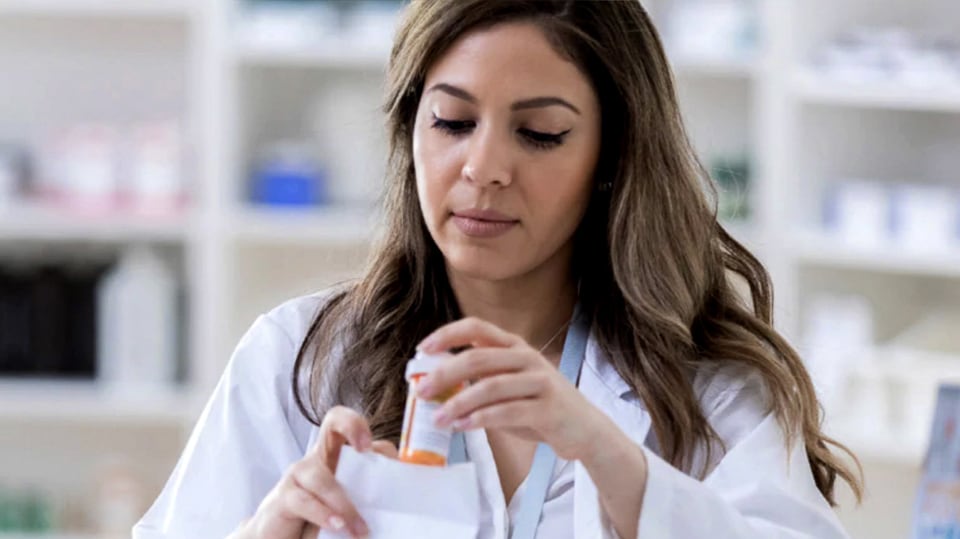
x=169 y=169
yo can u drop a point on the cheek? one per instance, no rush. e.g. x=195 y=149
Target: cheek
x=564 y=186
x=435 y=166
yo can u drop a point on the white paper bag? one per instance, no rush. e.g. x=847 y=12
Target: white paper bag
x=408 y=501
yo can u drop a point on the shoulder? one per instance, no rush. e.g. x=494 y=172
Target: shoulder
x=717 y=383
x=271 y=343
x=734 y=398
x=260 y=372
x=295 y=316
x=269 y=348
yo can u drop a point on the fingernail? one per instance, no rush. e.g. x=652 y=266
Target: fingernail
x=336 y=523
x=440 y=418
x=463 y=424
x=360 y=529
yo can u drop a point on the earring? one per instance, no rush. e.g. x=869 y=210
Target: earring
x=605 y=187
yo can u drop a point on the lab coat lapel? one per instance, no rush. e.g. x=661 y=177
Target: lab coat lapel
x=605 y=389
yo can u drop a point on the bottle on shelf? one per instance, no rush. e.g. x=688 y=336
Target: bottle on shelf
x=137 y=340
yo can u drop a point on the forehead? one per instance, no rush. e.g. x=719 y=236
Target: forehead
x=509 y=59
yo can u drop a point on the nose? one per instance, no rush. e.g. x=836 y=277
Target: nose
x=488 y=159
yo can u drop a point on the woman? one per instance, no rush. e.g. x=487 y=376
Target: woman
x=539 y=167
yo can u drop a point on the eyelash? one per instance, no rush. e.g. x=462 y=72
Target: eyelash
x=537 y=139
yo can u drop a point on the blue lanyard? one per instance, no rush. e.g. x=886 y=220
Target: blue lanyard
x=544 y=460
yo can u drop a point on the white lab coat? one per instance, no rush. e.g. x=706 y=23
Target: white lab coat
x=251 y=431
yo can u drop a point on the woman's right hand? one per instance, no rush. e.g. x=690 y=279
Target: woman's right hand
x=308 y=498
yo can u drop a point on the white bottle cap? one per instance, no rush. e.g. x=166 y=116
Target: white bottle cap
x=425 y=363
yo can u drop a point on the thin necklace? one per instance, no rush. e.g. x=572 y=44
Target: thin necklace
x=555 y=335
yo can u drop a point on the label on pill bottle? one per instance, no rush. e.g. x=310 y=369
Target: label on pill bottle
x=420 y=431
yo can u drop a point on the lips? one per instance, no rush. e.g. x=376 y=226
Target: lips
x=483 y=223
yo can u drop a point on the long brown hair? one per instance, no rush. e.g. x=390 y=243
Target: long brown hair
x=652 y=259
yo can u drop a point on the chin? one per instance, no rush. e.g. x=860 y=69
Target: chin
x=482 y=264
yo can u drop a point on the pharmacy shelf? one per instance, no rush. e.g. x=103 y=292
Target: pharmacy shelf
x=745 y=231
x=64 y=535
x=338 y=54
x=88 y=403
x=888 y=368
x=326 y=226
x=735 y=68
x=165 y=9
x=817 y=89
x=821 y=249
x=879 y=446
x=932 y=373
x=37 y=222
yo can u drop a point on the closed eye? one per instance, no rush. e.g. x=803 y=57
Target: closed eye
x=452 y=127
x=536 y=139
x=543 y=140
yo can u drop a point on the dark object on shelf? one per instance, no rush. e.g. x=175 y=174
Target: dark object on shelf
x=48 y=321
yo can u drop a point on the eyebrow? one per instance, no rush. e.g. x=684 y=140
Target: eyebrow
x=532 y=103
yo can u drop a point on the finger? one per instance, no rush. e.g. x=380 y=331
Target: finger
x=341 y=425
x=319 y=482
x=515 y=413
x=473 y=364
x=468 y=331
x=386 y=448
x=301 y=504
x=489 y=392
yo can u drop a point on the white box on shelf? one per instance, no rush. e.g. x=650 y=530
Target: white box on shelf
x=921 y=358
x=861 y=213
x=712 y=29
x=926 y=217
x=288 y=26
x=839 y=334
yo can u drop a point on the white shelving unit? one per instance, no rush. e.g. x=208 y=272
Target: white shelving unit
x=337 y=54
x=148 y=9
x=80 y=403
x=819 y=249
x=738 y=68
x=814 y=89
x=34 y=222
x=334 y=226
x=235 y=97
x=5 y=535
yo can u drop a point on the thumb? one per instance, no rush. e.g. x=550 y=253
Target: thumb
x=386 y=448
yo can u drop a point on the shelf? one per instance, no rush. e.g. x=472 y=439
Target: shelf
x=303 y=226
x=743 y=230
x=164 y=9
x=879 y=446
x=821 y=250
x=333 y=54
x=35 y=222
x=818 y=89
x=52 y=535
x=735 y=68
x=86 y=402
x=887 y=369
x=909 y=372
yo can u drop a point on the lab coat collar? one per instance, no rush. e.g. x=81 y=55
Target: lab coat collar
x=608 y=391
x=595 y=360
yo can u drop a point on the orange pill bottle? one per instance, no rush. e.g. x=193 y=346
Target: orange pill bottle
x=421 y=441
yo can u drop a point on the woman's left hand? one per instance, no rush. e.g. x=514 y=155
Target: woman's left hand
x=514 y=388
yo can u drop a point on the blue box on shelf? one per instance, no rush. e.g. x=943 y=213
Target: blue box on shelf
x=289 y=177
